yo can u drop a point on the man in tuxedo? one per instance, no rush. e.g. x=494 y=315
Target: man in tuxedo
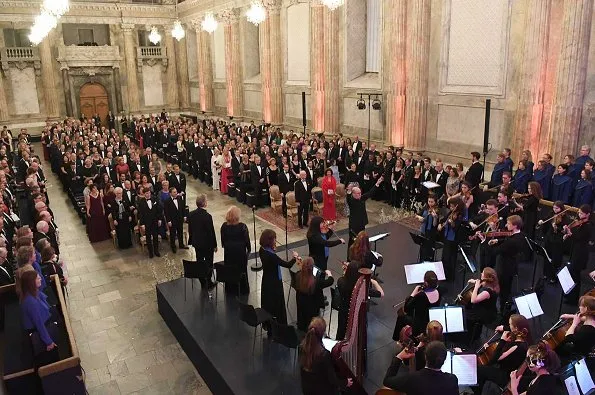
x=174 y=216
x=145 y=160
x=475 y=171
x=150 y=214
x=358 y=216
x=441 y=178
x=259 y=179
x=154 y=180
x=286 y=181
x=129 y=196
x=303 y=196
x=178 y=180
x=357 y=145
x=428 y=381
x=201 y=235
x=108 y=169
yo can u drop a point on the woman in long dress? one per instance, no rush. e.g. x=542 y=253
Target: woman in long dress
x=216 y=168
x=235 y=240
x=226 y=172
x=97 y=227
x=329 y=186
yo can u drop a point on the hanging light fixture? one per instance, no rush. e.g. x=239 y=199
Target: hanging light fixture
x=177 y=31
x=256 y=14
x=332 y=4
x=154 y=36
x=42 y=26
x=209 y=24
x=56 y=7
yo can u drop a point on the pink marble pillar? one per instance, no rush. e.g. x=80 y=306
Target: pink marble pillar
x=264 y=37
x=276 y=62
x=233 y=63
x=317 y=66
x=332 y=67
x=205 y=69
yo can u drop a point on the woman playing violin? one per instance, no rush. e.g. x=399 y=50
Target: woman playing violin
x=552 y=231
x=467 y=195
x=361 y=252
x=580 y=337
x=450 y=231
x=509 y=355
x=428 y=228
x=579 y=232
x=319 y=241
x=529 y=208
x=482 y=307
x=544 y=363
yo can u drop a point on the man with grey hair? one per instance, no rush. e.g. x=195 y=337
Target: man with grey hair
x=583 y=158
x=201 y=236
x=6 y=270
x=122 y=218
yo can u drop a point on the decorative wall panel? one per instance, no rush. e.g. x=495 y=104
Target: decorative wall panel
x=25 y=90
x=153 y=85
x=219 y=53
x=457 y=124
x=298 y=44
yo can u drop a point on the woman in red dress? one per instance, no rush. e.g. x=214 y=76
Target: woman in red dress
x=226 y=172
x=329 y=186
x=97 y=227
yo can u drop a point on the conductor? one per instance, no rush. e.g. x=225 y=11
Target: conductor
x=358 y=217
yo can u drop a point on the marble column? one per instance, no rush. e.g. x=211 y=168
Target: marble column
x=131 y=78
x=3 y=103
x=118 y=89
x=205 y=69
x=416 y=91
x=394 y=70
x=264 y=38
x=277 y=103
x=233 y=63
x=569 y=86
x=530 y=106
x=317 y=65
x=50 y=91
x=172 y=98
x=183 y=81
x=67 y=92
x=332 y=67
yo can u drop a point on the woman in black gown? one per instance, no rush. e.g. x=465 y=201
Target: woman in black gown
x=271 y=293
x=482 y=309
x=529 y=208
x=308 y=288
x=319 y=241
x=235 y=240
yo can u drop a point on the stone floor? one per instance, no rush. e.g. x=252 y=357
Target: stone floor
x=125 y=346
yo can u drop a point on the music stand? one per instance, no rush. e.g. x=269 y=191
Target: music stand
x=540 y=251
x=567 y=284
x=421 y=240
x=464 y=366
x=414 y=273
x=528 y=305
x=451 y=318
x=376 y=239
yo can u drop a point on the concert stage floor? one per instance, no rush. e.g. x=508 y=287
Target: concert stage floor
x=220 y=345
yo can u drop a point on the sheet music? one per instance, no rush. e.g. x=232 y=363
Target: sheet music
x=314 y=270
x=438 y=269
x=571 y=386
x=566 y=281
x=378 y=237
x=522 y=306
x=454 y=320
x=447 y=366
x=438 y=314
x=534 y=305
x=329 y=343
x=583 y=376
x=464 y=366
x=415 y=272
x=430 y=184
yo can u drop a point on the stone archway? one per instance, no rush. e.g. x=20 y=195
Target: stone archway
x=94 y=100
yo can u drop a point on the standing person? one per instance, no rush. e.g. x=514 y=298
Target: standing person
x=583 y=191
x=150 y=213
x=319 y=241
x=580 y=235
x=174 y=216
x=178 y=180
x=329 y=187
x=259 y=180
x=308 y=287
x=361 y=251
x=201 y=235
x=235 y=241
x=475 y=171
x=286 y=183
x=303 y=196
x=554 y=242
x=122 y=219
x=358 y=216
x=226 y=172
x=561 y=185
x=429 y=229
x=530 y=207
x=97 y=227
x=317 y=370
x=450 y=227
x=544 y=363
x=216 y=168
x=272 y=296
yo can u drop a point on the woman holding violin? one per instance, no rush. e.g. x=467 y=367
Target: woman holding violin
x=579 y=338
x=554 y=243
x=508 y=356
x=579 y=232
x=544 y=364
x=466 y=193
x=308 y=289
x=361 y=252
x=449 y=227
x=319 y=241
x=480 y=302
x=418 y=343
x=529 y=207
x=429 y=228
x=415 y=310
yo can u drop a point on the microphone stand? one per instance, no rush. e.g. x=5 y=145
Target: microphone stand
x=286 y=249
x=256 y=267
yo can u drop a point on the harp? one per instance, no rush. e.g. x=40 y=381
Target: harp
x=350 y=354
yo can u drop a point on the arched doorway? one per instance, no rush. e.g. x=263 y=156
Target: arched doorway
x=93 y=100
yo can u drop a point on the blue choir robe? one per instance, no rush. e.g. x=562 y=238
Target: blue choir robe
x=530 y=166
x=496 y=178
x=550 y=170
x=35 y=311
x=581 y=160
x=541 y=177
x=583 y=193
x=574 y=171
x=509 y=164
x=520 y=181
x=561 y=188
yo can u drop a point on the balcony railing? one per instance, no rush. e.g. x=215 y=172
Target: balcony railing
x=20 y=56
x=150 y=55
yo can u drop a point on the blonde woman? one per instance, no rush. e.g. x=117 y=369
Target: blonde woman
x=235 y=240
x=216 y=168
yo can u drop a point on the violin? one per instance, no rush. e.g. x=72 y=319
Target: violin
x=574 y=224
x=498 y=233
x=556 y=217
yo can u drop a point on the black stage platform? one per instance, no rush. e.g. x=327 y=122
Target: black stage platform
x=220 y=345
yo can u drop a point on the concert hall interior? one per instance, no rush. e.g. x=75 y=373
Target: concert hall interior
x=297 y=196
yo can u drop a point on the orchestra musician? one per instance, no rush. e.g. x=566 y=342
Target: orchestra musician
x=579 y=232
x=450 y=226
x=529 y=207
x=544 y=363
x=486 y=221
x=481 y=309
x=427 y=381
x=308 y=289
x=433 y=333
x=429 y=228
x=553 y=239
x=466 y=193
x=319 y=241
x=416 y=308
x=579 y=338
x=509 y=355
x=317 y=371
x=361 y=251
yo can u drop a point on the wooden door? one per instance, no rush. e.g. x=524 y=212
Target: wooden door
x=93 y=100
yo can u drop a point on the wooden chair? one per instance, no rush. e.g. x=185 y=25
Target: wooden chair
x=276 y=199
x=317 y=200
x=112 y=228
x=340 y=195
x=292 y=208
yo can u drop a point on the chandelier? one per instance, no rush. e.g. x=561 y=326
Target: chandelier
x=42 y=26
x=256 y=13
x=332 y=4
x=56 y=7
x=178 y=31
x=209 y=24
x=154 y=36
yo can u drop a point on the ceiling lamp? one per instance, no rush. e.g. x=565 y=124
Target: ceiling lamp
x=256 y=14
x=332 y=4
x=209 y=24
x=178 y=31
x=56 y=7
x=154 y=36
x=42 y=26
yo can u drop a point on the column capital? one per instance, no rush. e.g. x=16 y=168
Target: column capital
x=273 y=6
x=229 y=16
x=127 y=27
